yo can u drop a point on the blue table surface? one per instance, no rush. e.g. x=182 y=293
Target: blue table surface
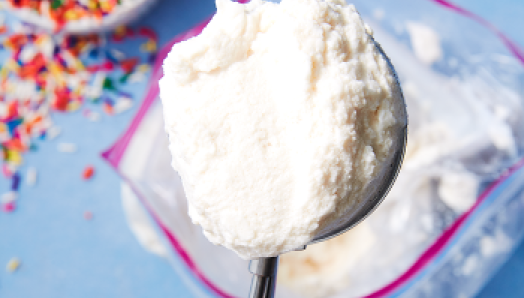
x=63 y=255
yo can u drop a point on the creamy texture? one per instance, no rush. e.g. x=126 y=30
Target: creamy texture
x=281 y=118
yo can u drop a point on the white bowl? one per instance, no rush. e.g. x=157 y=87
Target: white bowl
x=123 y=14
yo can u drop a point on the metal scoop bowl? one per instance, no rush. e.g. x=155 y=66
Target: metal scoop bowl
x=264 y=270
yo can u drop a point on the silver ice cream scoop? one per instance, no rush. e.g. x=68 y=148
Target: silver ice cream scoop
x=264 y=270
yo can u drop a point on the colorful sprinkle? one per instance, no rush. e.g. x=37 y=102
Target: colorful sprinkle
x=31 y=176
x=9 y=197
x=7 y=171
x=88 y=172
x=92 y=116
x=44 y=74
x=117 y=54
x=149 y=47
x=108 y=108
x=15 y=182
x=9 y=207
x=3 y=27
x=144 y=67
x=128 y=65
x=88 y=215
x=63 y=11
x=149 y=33
x=137 y=77
x=53 y=132
x=13 y=265
x=123 y=104
x=67 y=147
x=108 y=84
x=14 y=157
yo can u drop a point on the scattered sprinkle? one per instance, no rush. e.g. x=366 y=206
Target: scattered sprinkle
x=31 y=176
x=108 y=108
x=108 y=84
x=42 y=74
x=118 y=54
x=88 y=215
x=9 y=197
x=148 y=47
x=92 y=116
x=9 y=207
x=88 y=172
x=7 y=170
x=13 y=265
x=144 y=68
x=123 y=104
x=63 y=11
x=137 y=77
x=15 y=182
x=128 y=65
x=53 y=132
x=67 y=147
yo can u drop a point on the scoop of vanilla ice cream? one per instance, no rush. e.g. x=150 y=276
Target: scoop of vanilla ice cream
x=281 y=119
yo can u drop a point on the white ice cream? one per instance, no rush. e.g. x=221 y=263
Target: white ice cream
x=280 y=118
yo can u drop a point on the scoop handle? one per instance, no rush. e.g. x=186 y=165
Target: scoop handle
x=264 y=278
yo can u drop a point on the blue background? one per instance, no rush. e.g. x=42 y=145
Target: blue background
x=63 y=255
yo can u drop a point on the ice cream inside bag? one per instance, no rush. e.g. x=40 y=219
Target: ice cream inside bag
x=465 y=128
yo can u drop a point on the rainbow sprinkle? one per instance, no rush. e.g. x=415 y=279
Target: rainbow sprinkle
x=88 y=215
x=12 y=265
x=63 y=11
x=88 y=173
x=45 y=74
